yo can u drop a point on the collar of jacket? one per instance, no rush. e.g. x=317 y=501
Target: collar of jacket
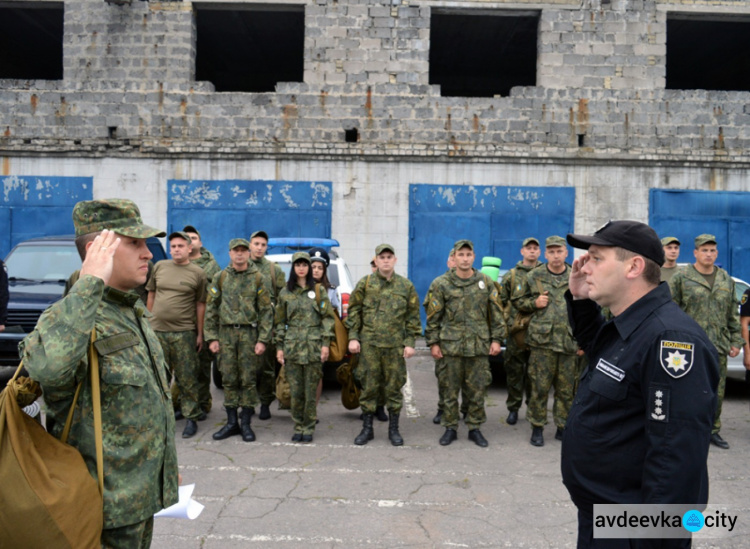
x=632 y=317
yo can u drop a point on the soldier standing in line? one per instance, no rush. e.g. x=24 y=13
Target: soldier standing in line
x=383 y=325
x=177 y=299
x=450 y=263
x=552 y=359
x=671 y=252
x=274 y=281
x=706 y=293
x=206 y=261
x=4 y=295
x=303 y=332
x=140 y=472
x=464 y=325
x=239 y=321
x=745 y=331
x=517 y=358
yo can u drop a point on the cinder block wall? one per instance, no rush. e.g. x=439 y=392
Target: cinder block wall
x=599 y=97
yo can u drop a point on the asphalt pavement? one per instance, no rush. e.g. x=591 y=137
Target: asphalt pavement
x=331 y=493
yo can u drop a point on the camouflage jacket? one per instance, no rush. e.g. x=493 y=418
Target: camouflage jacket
x=549 y=327
x=303 y=324
x=511 y=287
x=464 y=316
x=209 y=265
x=274 y=284
x=140 y=460
x=714 y=309
x=238 y=297
x=384 y=313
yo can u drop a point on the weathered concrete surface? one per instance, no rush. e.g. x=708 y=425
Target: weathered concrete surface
x=331 y=493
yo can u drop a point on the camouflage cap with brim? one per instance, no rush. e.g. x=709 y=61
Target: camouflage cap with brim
x=530 y=240
x=116 y=214
x=667 y=240
x=180 y=234
x=384 y=248
x=463 y=244
x=705 y=238
x=554 y=240
x=237 y=242
x=300 y=256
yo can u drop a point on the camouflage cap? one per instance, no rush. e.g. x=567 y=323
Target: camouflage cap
x=702 y=239
x=554 y=241
x=300 y=256
x=530 y=240
x=180 y=234
x=667 y=240
x=237 y=242
x=116 y=214
x=191 y=229
x=262 y=234
x=384 y=248
x=463 y=244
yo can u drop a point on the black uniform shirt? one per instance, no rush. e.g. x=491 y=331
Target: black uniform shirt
x=640 y=424
x=3 y=293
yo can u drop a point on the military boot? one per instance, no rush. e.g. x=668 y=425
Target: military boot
x=247 y=431
x=393 y=435
x=231 y=428
x=366 y=433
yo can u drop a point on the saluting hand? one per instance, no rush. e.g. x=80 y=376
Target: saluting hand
x=577 y=280
x=99 y=260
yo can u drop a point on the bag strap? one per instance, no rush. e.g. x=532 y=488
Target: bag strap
x=97 y=408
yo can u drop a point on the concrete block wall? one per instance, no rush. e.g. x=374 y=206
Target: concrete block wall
x=599 y=97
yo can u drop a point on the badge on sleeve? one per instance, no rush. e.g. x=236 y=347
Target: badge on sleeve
x=658 y=406
x=676 y=358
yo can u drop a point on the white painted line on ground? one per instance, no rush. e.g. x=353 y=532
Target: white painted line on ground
x=410 y=405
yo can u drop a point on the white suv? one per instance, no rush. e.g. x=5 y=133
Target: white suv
x=338 y=272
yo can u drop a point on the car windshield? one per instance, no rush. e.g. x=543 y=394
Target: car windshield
x=333 y=273
x=46 y=262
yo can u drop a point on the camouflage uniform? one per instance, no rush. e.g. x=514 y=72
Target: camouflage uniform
x=205 y=357
x=140 y=459
x=238 y=314
x=303 y=325
x=516 y=358
x=715 y=310
x=384 y=318
x=552 y=360
x=464 y=316
x=267 y=365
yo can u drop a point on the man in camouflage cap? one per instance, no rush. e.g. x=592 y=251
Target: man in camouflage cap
x=383 y=324
x=464 y=325
x=552 y=360
x=671 y=252
x=706 y=292
x=239 y=320
x=140 y=472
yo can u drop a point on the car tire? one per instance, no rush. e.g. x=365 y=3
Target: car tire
x=216 y=374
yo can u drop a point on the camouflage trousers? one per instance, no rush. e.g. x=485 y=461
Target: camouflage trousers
x=132 y=536
x=470 y=375
x=720 y=392
x=516 y=369
x=549 y=369
x=238 y=364
x=205 y=358
x=267 y=375
x=182 y=360
x=382 y=372
x=303 y=385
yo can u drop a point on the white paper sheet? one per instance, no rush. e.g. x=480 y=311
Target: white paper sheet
x=186 y=508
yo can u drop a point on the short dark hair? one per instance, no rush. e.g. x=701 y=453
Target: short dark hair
x=652 y=270
x=83 y=240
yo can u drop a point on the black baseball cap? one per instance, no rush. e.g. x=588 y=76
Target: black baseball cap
x=634 y=236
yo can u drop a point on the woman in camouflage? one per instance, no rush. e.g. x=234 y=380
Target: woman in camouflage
x=304 y=328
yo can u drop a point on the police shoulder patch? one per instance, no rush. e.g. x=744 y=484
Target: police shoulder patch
x=676 y=357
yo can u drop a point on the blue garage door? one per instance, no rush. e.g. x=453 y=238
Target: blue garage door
x=725 y=214
x=222 y=210
x=495 y=218
x=33 y=206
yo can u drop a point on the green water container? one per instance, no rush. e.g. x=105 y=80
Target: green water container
x=491 y=266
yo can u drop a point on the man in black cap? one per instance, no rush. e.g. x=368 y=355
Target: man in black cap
x=640 y=425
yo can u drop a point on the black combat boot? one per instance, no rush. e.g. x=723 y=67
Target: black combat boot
x=537 y=436
x=366 y=433
x=247 y=432
x=231 y=428
x=393 y=435
x=380 y=413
